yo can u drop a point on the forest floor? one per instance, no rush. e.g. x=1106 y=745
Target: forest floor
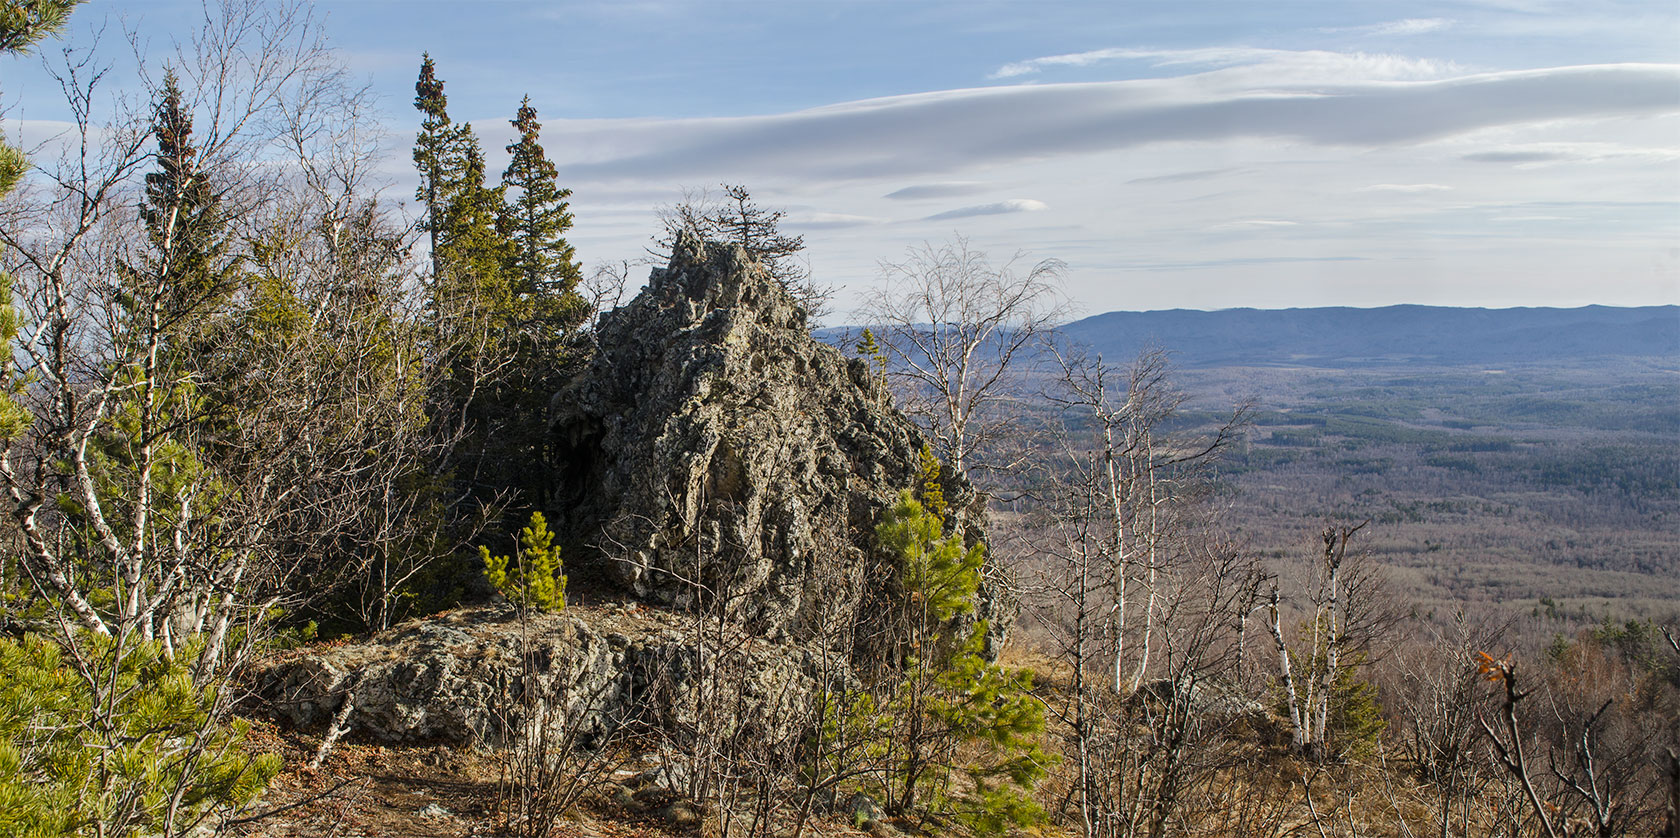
x=366 y=790
x=372 y=790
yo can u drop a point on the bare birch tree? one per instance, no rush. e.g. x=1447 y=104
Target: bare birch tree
x=959 y=330
x=1122 y=512
x=190 y=389
x=1141 y=481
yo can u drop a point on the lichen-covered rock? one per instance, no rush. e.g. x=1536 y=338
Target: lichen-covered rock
x=484 y=676
x=713 y=449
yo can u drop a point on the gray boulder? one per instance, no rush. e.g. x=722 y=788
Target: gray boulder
x=482 y=676
x=862 y=809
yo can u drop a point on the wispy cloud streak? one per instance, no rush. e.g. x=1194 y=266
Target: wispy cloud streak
x=1276 y=64
x=999 y=208
x=923 y=134
x=1409 y=26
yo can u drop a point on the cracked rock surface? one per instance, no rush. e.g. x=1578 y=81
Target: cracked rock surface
x=483 y=675
x=714 y=448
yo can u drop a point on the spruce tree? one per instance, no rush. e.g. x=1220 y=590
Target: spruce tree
x=469 y=255
x=501 y=295
x=544 y=264
x=188 y=268
x=432 y=151
x=470 y=296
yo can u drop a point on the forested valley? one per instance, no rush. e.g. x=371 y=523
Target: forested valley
x=322 y=518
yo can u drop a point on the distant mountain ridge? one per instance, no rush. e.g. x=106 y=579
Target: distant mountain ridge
x=1392 y=334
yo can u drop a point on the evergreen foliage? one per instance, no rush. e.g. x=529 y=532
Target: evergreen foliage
x=1354 y=723
x=1356 y=718
x=740 y=221
x=989 y=712
x=531 y=578
x=21 y=25
x=102 y=745
x=869 y=349
x=183 y=211
x=504 y=297
x=14 y=417
x=433 y=153
x=23 y=22
x=171 y=293
x=932 y=492
x=758 y=231
x=469 y=256
x=938 y=574
x=535 y=221
x=12 y=166
x=952 y=711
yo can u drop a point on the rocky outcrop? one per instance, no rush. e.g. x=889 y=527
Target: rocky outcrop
x=485 y=676
x=715 y=451
x=715 y=462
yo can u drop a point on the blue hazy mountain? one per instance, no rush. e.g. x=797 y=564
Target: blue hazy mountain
x=1403 y=333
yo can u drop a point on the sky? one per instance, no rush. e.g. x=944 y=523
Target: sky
x=1176 y=154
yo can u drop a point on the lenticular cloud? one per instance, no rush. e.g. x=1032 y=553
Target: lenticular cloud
x=953 y=130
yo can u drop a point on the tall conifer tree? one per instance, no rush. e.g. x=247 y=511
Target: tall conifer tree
x=536 y=219
x=469 y=256
x=431 y=151
x=500 y=273
x=188 y=267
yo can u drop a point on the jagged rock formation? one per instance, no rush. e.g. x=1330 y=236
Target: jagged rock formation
x=713 y=448
x=714 y=460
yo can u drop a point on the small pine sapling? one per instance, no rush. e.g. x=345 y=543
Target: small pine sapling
x=531 y=578
x=118 y=741
x=932 y=491
x=870 y=349
x=955 y=712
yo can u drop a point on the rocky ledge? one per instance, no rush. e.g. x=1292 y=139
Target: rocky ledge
x=487 y=676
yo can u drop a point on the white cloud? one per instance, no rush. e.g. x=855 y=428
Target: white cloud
x=999 y=208
x=1074 y=59
x=1181 y=177
x=828 y=220
x=950 y=189
x=956 y=130
x=1407 y=187
x=1409 y=26
x=42 y=139
x=1274 y=64
x=1536 y=154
